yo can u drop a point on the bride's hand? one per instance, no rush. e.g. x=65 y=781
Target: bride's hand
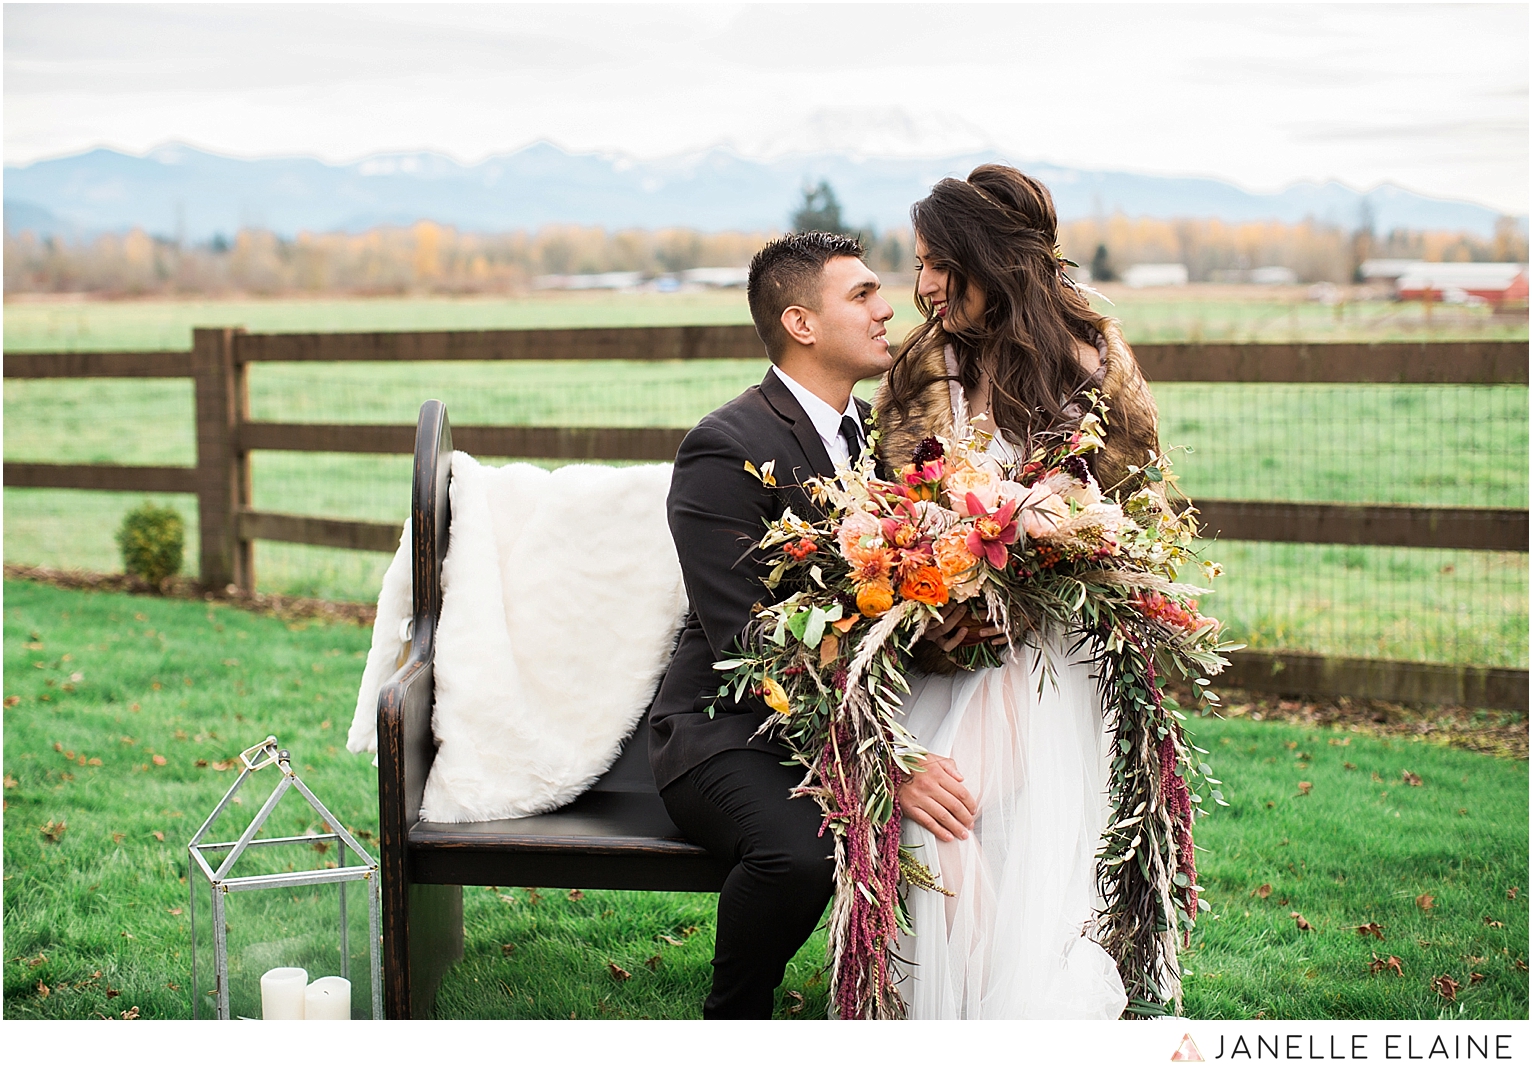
x=956 y=625
x=934 y=798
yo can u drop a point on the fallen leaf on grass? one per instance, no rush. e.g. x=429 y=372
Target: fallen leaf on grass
x=1510 y=893
x=689 y=930
x=11 y=701
x=575 y=895
x=1475 y=978
x=1303 y=925
x=129 y=1015
x=159 y=835
x=53 y=830
x=672 y=941
x=160 y=760
x=1370 y=929
x=1445 y=987
x=93 y=761
x=11 y=782
x=653 y=962
x=172 y=986
x=175 y=910
x=617 y=972
x=1520 y=964
x=797 y=1007
x=43 y=990
x=507 y=949
x=1492 y=923
x=1425 y=901
x=534 y=897
x=1263 y=891
x=1376 y=777
x=117 y=838
x=1305 y=787
x=1378 y=965
x=128 y=936
x=1349 y=765
x=1411 y=779
x=201 y=764
x=112 y=993
x=225 y=764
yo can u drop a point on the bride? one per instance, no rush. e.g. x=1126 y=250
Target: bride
x=1009 y=810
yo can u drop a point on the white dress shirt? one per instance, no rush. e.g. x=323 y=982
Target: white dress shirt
x=826 y=419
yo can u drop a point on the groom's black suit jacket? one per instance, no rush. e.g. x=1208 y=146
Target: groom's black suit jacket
x=717 y=512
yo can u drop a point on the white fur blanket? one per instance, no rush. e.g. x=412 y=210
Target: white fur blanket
x=561 y=601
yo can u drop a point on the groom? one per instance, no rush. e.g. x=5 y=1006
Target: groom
x=817 y=310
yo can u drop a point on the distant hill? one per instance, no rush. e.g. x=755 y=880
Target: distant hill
x=180 y=191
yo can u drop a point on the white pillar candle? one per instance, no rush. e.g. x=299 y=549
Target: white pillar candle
x=328 y=999
x=282 y=993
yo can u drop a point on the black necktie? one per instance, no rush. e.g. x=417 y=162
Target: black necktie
x=852 y=435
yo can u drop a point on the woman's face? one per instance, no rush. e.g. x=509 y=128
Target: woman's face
x=931 y=280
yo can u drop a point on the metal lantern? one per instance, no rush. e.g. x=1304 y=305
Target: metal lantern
x=222 y=879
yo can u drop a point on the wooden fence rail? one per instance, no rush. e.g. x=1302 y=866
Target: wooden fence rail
x=228 y=525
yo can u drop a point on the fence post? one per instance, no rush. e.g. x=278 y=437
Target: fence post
x=223 y=474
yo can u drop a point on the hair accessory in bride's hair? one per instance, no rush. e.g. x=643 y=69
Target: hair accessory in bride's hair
x=1085 y=290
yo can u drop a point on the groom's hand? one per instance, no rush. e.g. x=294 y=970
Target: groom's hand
x=934 y=798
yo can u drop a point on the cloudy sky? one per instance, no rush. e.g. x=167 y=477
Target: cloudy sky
x=1432 y=97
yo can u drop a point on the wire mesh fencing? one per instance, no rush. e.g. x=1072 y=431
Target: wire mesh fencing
x=1439 y=445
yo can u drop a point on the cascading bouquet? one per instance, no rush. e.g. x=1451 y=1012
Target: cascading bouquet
x=1036 y=548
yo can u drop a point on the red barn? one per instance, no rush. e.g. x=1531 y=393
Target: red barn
x=1494 y=283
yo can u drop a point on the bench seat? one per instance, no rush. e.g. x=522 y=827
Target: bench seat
x=601 y=840
x=617 y=835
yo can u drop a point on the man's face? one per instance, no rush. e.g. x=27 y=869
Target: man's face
x=849 y=333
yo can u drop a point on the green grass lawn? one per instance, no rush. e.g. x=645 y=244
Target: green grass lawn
x=1197 y=312
x=100 y=687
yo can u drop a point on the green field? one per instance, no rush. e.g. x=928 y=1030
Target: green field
x=1197 y=312
x=100 y=687
x=1442 y=445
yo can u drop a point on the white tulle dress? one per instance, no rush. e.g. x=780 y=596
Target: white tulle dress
x=1033 y=750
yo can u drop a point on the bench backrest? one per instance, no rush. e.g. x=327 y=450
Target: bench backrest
x=431 y=514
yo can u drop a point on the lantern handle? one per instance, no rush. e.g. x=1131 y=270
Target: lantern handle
x=261 y=755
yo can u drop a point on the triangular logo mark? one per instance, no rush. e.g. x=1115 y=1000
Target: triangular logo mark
x=1187 y=1052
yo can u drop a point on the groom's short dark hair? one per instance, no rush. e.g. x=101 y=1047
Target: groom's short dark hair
x=786 y=272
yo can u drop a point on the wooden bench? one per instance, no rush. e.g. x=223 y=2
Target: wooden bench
x=617 y=835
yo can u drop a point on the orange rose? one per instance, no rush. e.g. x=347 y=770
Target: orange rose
x=958 y=565
x=874 y=599
x=925 y=585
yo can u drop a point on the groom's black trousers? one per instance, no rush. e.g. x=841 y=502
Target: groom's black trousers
x=736 y=805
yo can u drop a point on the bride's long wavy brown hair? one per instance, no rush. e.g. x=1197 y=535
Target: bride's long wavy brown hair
x=997 y=232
